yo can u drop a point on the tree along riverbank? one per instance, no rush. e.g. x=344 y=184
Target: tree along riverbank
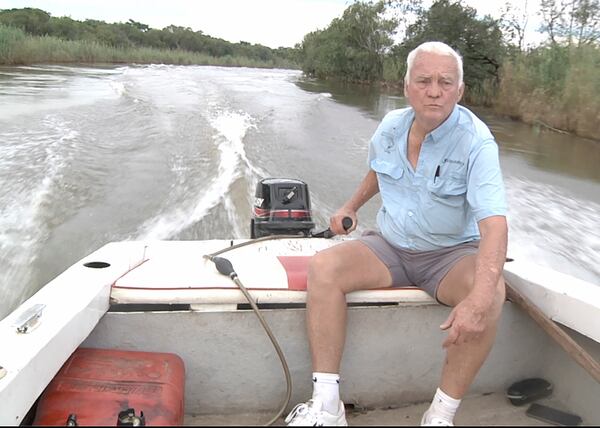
x=20 y=48
x=520 y=93
x=556 y=84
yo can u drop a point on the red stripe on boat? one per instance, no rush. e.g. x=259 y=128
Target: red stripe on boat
x=261 y=212
x=296 y=269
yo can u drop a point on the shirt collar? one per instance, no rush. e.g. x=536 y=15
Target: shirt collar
x=440 y=132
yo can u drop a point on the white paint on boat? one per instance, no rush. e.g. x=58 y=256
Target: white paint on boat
x=170 y=272
x=176 y=272
x=565 y=299
x=74 y=303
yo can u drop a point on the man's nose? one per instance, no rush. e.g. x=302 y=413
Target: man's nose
x=434 y=90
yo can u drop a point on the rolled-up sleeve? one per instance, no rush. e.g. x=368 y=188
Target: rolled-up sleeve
x=486 y=194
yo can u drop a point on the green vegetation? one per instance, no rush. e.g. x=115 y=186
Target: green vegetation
x=478 y=41
x=33 y=36
x=359 y=45
x=352 y=47
x=16 y=48
x=556 y=84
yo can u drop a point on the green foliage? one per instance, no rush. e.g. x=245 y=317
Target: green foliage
x=132 y=34
x=352 y=47
x=10 y=40
x=16 y=47
x=554 y=84
x=479 y=41
x=557 y=83
x=32 y=21
x=547 y=67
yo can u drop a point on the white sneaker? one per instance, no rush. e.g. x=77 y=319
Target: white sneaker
x=434 y=421
x=311 y=413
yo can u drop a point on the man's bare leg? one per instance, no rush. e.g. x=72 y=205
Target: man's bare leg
x=463 y=358
x=463 y=361
x=332 y=274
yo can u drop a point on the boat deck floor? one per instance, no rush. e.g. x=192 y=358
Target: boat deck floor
x=485 y=410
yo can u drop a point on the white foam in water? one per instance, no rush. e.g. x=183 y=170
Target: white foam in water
x=232 y=217
x=23 y=230
x=231 y=128
x=118 y=87
x=551 y=228
x=51 y=90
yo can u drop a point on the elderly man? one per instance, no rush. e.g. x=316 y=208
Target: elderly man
x=442 y=227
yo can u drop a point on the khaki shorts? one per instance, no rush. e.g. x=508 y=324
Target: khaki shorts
x=425 y=269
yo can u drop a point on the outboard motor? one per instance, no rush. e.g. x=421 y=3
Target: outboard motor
x=281 y=207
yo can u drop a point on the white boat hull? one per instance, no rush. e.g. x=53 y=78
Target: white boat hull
x=393 y=352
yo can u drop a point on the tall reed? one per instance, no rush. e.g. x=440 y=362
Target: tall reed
x=18 y=48
x=11 y=39
x=555 y=86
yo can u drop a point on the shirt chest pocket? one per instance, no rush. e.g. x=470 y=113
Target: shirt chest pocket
x=445 y=205
x=387 y=171
x=391 y=179
x=447 y=188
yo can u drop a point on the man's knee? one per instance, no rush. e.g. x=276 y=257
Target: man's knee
x=345 y=268
x=321 y=272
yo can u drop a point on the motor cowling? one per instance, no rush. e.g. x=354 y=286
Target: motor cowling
x=281 y=207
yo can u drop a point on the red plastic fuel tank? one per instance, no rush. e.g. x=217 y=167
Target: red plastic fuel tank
x=96 y=385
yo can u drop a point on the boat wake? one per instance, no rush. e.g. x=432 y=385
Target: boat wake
x=230 y=129
x=551 y=228
x=40 y=156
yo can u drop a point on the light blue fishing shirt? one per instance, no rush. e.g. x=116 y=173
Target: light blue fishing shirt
x=457 y=181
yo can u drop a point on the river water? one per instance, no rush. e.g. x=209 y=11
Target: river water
x=93 y=155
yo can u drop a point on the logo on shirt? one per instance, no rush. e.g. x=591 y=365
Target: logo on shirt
x=458 y=162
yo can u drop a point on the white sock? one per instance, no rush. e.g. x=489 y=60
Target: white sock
x=327 y=387
x=443 y=406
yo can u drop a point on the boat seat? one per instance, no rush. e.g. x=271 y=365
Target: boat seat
x=178 y=274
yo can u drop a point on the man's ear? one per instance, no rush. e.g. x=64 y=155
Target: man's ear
x=405 y=89
x=461 y=91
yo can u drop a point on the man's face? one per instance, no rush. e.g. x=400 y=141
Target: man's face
x=433 y=88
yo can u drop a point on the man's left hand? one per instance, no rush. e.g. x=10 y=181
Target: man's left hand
x=467 y=321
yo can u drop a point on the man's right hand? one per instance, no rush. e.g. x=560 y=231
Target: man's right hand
x=366 y=190
x=335 y=222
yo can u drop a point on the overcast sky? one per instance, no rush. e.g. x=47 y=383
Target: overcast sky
x=273 y=23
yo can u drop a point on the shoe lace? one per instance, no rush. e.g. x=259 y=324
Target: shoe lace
x=303 y=414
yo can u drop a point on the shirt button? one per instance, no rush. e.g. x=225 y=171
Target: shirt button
x=410 y=213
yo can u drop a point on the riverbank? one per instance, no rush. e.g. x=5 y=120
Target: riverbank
x=520 y=95
x=576 y=113
x=18 y=48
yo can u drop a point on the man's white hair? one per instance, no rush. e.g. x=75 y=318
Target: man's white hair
x=435 y=48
